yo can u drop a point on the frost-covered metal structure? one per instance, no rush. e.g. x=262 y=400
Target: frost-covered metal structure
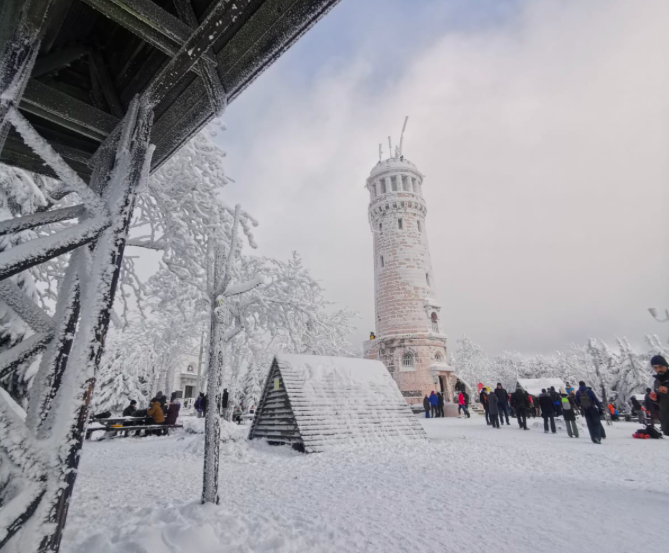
x=315 y=403
x=98 y=93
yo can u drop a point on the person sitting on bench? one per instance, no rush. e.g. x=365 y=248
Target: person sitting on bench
x=131 y=409
x=173 y=412
x=155 y=411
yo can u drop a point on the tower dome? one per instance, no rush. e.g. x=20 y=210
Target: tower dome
x=408 y=337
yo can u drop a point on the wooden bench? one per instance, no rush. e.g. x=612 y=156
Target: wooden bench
x=125 y=429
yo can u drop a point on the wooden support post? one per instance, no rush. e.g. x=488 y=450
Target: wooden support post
x=74 y=390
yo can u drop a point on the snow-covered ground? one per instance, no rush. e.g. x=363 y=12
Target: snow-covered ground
x=469 y=487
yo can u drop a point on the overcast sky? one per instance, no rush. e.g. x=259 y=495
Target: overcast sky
x=541 y=127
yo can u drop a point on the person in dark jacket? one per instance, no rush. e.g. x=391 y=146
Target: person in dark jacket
x=503 y=403
x=173 y=412
x=591 y=408
x=556 y=400
x=660 y=366
x=131 y=409
x=569 y=406
x=493 y=409
x=160 y=398
x=547 y=408
x=433 y=404
x=440 y=404
x=521 y=405
x=426 y=406
x=652 y=406
x=485 y=404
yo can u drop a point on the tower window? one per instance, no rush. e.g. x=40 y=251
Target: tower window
x=418 y=224
x=383 y=185
x=438 y=357
x=400 y=224
x=405 y=184
x=427 y=279
x=381 y=260
x=433 y=322
x=394 y=184
x=408 y=360
x=380 y=227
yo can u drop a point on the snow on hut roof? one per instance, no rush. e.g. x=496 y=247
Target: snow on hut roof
x=337 y=401
x=534 y=385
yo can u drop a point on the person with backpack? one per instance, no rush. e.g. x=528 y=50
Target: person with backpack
x=485 y=404
x=521 y=405
x=591 y=407
x=493 y=409
x=556 y=400
x=503 y=402
x=660 y=366
x=547 y=408
x=569 y=407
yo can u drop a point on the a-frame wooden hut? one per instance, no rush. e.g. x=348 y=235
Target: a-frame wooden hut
x=315 y=403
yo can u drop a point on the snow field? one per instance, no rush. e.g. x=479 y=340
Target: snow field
x=468 y=484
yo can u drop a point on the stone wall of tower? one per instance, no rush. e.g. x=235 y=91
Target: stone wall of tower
x=407 y=317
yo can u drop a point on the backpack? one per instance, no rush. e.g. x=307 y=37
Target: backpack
x=585 y=400
x=566 y=404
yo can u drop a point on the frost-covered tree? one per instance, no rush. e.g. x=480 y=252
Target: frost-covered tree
x=471 y=362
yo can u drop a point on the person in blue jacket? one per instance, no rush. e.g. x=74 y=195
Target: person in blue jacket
x=434 y=404
x=588 y=401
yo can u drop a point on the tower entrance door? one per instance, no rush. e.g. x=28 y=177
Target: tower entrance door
x=443 y=383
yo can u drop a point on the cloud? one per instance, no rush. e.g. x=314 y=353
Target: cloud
x=543 y=138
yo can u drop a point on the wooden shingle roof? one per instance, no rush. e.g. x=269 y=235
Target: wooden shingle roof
x=318 y=403
x=96 y=55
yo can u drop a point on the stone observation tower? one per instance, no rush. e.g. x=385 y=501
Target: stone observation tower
x=409 y=338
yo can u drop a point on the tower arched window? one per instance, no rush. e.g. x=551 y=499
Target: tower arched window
x=405 y=183
x=381 y=261
x=428 y=280
x=394 y=184
x=400 y=224
x=418 y=224
x=408 y=360
x=380 y=227
x=382 y=185
x=438 y=357
x=434 y=322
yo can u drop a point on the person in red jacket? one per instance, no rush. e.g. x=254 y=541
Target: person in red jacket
x=462 y=405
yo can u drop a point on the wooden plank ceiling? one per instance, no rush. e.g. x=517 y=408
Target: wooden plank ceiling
x=96 y=55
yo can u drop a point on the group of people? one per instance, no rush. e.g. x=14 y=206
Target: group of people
x=567 y=403
x=159 y=410
x=434 y=405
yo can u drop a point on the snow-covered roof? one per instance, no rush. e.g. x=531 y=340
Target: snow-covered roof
x=534 y=386
x=393 y=163
x=336 y=401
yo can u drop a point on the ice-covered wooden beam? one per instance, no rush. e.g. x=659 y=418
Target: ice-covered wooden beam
x=66 y=111
x=148 y=21
x=104 y=79
x=33 y=220
x=209 y=74
x=194 y=49
x=31 y=253
x=12 y=358
x=24 y=307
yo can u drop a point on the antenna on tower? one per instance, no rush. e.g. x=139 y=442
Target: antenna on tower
x=390 y=148
x=402 y=133
x=380 y=151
